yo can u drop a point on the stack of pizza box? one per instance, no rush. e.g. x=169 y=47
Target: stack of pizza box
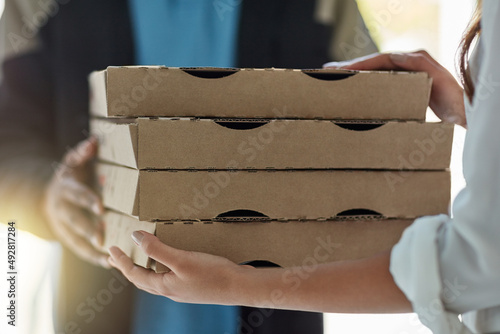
x=287 y=166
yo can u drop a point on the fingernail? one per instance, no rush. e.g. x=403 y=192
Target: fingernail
x=336 y=64
x=137 y=236
x=399 y=57
x=331 y=64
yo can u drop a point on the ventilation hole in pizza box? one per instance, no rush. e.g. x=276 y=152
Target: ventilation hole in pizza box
x=242 y=213
x=358 y=212
x=210 y=74
x=242 y=125
x=354 y=126
x=261 y=264
x=329 y=76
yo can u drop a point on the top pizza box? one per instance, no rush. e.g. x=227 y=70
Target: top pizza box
x=150 y=91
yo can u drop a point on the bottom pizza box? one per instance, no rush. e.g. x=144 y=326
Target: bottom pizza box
x=283 y=243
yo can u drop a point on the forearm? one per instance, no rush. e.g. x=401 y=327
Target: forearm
x=362 y=286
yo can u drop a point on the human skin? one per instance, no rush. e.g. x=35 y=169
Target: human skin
x=363 y=286
x=360 y=286
x=73 y=209
x=447 y=96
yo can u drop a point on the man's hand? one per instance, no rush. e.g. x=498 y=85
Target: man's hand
x=194 y=277
x=73 y=209
x=447 y=96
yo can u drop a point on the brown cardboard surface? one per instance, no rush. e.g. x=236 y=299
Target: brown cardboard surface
x=169 y=195
x=117 y=140
x=119 y=187
x=118 y=228
x=287 y=244
x=300 y=144
x=258 y=93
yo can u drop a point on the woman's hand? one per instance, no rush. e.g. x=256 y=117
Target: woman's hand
x=194 y=277
x=358 y=286
x=73 y=209
x=447 y=97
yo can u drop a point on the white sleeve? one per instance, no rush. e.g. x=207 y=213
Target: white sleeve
x=451 y=266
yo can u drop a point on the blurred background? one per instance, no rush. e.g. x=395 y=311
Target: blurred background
x=434 y=25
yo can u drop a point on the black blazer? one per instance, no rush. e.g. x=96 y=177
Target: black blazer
x=44 y=112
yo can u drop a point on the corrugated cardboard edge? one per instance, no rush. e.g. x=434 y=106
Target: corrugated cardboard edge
x=118 y=231
x=166 y=195
x=234 y=95
x=186 y=143
x=118 y=141
x=119 y=187
x=281 y=144
x=98 y=102
x=173 y=195
x=288 y=244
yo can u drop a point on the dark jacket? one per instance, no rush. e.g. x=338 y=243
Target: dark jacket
x=44 y=107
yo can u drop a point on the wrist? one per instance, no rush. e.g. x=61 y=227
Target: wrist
x=240 y=285
x=257 y=287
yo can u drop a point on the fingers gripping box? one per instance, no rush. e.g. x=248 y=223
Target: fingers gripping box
x=277 y=165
